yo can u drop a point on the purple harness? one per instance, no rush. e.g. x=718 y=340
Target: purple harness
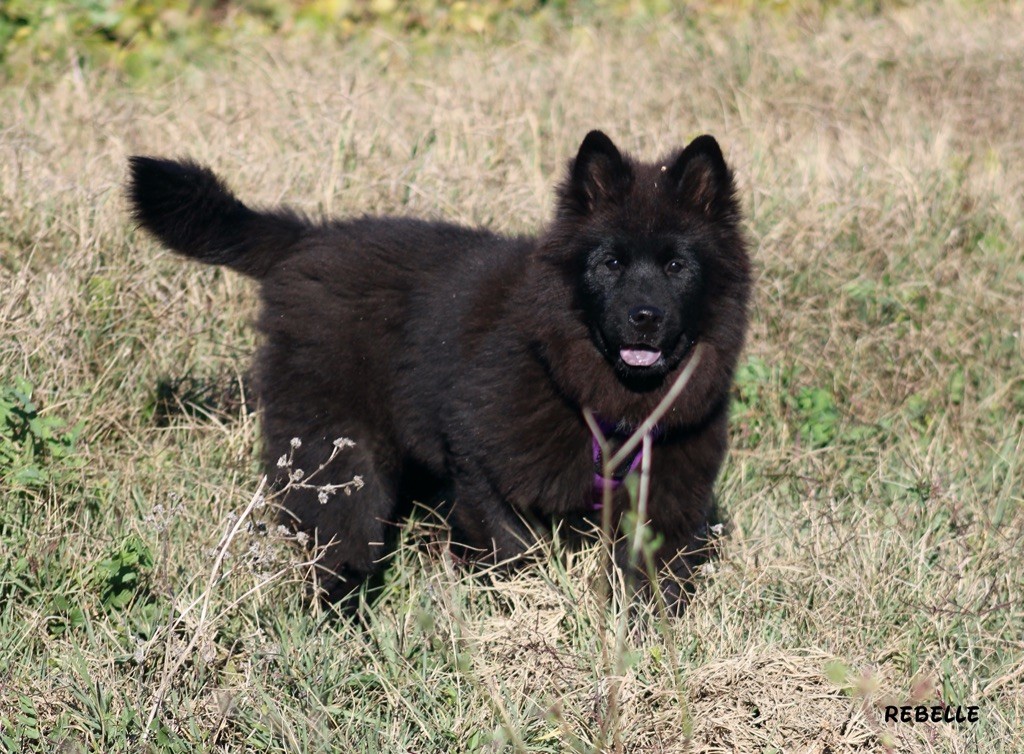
x=615 y=436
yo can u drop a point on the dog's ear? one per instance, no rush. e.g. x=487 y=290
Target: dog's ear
x=701 y=179
x=598 y=174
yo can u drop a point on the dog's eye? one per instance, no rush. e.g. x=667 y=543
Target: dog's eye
x=674 y=267
x=613 y=264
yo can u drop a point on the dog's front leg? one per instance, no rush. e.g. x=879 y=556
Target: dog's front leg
x=485 y=528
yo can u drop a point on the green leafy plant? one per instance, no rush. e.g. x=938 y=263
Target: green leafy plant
x=764 y=394
x=121 y=577
x=137 y=36
x=67 y=614
x=25 y=725
x=34 y=447
x=818 y=416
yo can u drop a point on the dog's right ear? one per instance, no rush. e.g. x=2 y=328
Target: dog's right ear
x=598 y=174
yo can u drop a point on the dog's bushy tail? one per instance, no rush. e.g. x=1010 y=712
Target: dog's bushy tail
x=190 y=210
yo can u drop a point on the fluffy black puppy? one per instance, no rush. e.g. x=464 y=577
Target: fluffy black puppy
x=460 y=361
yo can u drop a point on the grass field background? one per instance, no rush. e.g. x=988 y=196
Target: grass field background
x=875 y=485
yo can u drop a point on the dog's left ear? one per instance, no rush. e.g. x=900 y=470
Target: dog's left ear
x=701 y=179
x=598 y=174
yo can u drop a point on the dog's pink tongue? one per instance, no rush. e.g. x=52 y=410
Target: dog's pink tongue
x=639 y=357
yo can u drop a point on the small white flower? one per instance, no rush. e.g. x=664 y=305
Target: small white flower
x=283 y=531
x=282 y=462
x=297 y=475
x=302 y=538
x=343 y=442
x=296 y=443
x=322 y=497
x=717 y=529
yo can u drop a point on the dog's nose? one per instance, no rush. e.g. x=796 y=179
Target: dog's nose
x=646 y=318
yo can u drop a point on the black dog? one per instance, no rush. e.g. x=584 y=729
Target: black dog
x=460 y=362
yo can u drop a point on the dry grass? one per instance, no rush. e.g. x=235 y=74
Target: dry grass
x=875 y=486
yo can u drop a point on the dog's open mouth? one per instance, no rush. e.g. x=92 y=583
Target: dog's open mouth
x=640 y=356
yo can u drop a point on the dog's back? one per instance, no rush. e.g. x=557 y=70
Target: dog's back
x=363 y=304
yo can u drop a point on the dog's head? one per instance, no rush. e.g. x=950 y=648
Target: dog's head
x=649 y=246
